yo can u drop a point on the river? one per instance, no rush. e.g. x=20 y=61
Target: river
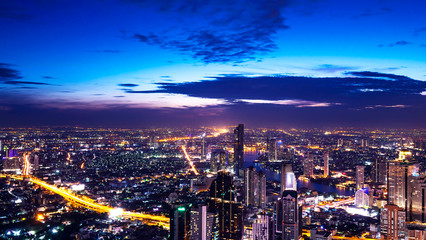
x=251 y=156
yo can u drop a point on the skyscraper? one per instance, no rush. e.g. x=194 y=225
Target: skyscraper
x=379 y=170
x=308 y=166
x=180 y=222
x=229 y=224
x=271 y=148
x=261 y=228
x=359 y=176
x=290 y=215
x=239 y=150
x=254 y=187
x=201 y=223
x=288 y=179
x=326 y=164
x=399 y=175
x=417 y=200
x=287 y=211
x=392 y=223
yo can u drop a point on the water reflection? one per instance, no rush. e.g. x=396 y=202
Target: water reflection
x=251 y=156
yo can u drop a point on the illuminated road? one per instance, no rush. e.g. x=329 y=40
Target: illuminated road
x=189 y=160
x=92 y=205
x=26 y=170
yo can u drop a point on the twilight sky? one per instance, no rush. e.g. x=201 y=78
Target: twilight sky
x=147 y=63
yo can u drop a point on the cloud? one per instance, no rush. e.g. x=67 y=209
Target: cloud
x=330 y=68
x=419 y=31
x=24 y=83
x=358 y=90
x=128 y=85
x=297 y=103
x=378 y=75
x=48 y=77
x=8 y=73
x=223 y=32
x=397 y=43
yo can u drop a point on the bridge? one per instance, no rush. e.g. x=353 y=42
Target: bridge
x=93 y=205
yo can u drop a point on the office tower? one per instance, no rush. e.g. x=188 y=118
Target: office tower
x=379 y=170
x=288 y=178
x=228 y=223
x=201 y=223
x=287 y=210
x=399 y=174
x=239 y=150
x=180 y=218
x=271 y=149
x=417 y=200
x=254 y=187
x=364 y=143
x=359 y=176
x=213 y=162
x=326 y=164
x=251 y=186
x=392 y=223
x=340 y=142
x=261 y=228
x=308 y=166
x=218 y=160
x=290 y=215
x=203 y=151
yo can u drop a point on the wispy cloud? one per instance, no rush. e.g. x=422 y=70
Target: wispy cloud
x=397 y=43
x=8 y=73
x=128 y=85
x=231 y=31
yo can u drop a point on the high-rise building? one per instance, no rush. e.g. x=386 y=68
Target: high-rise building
x=228 y=223
x=364 y=143
x=261 y=228
x=308 y=166
x=359 y=177
x=287 y=210
x=399 y=175
x=379 y=170
x=326 y=164
x=417 y=200
x=288 y=178
x=201 y=223
x=239 y=150
x=271 y=149
x=291 y=215
x=180 y=219
x=218 y=160
x=392 y=223
x=254 y=187
x=340 y=142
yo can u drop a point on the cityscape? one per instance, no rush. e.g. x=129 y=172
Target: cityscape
x=212 y=183
x=212 y=119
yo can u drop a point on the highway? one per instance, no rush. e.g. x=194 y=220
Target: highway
x=93 y=205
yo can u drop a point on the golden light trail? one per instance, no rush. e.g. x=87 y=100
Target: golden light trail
x=26 y=170
x=82 y=165
x=92 y=205
x=189 y=160
x=68 y=157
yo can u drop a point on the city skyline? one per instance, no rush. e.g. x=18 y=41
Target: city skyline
x=141 y=64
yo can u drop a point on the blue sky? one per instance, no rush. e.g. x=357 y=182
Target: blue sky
x=66 y=62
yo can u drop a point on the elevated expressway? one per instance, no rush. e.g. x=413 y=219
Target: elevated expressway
x=92 y=204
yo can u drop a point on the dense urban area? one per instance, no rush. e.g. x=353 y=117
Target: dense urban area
x=224 y=183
